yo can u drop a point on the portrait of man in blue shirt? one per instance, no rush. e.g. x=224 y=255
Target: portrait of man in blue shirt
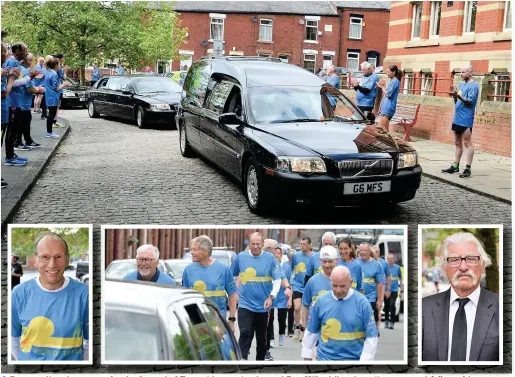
x=147 y=260
x=465 y=100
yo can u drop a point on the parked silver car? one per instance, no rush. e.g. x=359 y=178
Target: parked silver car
x=148 y=322
x=175 y=268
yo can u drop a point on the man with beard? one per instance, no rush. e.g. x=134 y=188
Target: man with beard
x=147 y=260
x=462 y=323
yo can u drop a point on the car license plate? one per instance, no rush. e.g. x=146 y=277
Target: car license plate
x=82 y=99
x=366 y=188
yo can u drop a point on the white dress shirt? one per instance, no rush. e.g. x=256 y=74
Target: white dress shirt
x=309 y=340
x=470 y=312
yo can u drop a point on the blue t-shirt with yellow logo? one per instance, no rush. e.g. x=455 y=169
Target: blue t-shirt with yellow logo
x=342 y=326
x=315 y=287
x=396 y=274
x=373 y=274
x=356 y=273
x=256 y=275
x=464 y=115
x=214 y=281
x=52 y=325
x=281 y=301
x=386 y=268
x=314 y=266
x=300 y=263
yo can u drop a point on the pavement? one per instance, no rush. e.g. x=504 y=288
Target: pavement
x=21 y=179
x=491 y=174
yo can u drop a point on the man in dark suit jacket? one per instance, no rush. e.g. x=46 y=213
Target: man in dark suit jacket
x=462 y=323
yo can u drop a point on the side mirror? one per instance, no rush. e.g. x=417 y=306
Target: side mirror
x=371 y=116
x=229 y=118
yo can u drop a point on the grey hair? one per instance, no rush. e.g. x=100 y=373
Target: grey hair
x=290 y=252
x=466 y=237
x=204 y=243
x=366 y=65
x=147 y=246
x=366 y=244
x=269 y=243
x=329 y=235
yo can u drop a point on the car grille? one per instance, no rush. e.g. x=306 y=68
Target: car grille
x=365 y=168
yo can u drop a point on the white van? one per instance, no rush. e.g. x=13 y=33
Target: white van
x=392 y=243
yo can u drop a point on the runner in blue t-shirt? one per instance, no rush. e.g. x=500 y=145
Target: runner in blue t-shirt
x=465 y=97
x=389 y=304
x=347 y=259
x=342 y=322
x=300 y=262
x=373 y=279
x=147 y=259
x=390 y=93
x=50 y=313
x=211 y=277
x=260 y=279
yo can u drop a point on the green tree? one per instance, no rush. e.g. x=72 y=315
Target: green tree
x=135 y=33
x=22 y=240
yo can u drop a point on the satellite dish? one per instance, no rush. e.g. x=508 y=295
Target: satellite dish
x=301 y=21
x=254 y=18
x=203 y=43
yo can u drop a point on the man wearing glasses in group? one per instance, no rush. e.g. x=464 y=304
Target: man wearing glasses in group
x=50 y=313
x=462 y=323
x=147 y=260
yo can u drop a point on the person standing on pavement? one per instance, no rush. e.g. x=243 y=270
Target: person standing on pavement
x=281 y=303
x=366 y=88
x=376 y=251
x=288 y=273
x=333 y=79
x=38 y=81
x=119 y=70
x=389 y=303
x=95 y=75
x=347 y=259
x=260 y=279
x=342 y=322
x=148 y=71
x=320 y=283
x=300 y=261
x=52 y=94
x=211 y=277
x=16 y=271
x=314 y=267
x=62 y=77
x=390 y=94
x=25 y=117
x=147 y=260
x=50 y=314
x=8 y=80
x=373 y=280
x=465 y=100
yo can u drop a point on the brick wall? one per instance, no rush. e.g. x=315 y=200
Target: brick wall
x=374 y=34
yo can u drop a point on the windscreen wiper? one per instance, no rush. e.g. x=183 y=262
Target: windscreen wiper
x=297 y=120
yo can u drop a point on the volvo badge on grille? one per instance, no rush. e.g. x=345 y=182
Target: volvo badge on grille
x=367 y=168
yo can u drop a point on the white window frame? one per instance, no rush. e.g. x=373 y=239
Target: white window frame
x=360 y=27
x=467 y=17
x=312 y=27
x=271 y=26
x=353 y=58
x=501 y=88
x=507 y=6
x=309 y=60
x=324 y=60
x=435 y=19
x=408 y=83
x=375 y=60
x=427 y=84
x=417 y=7
x=216 y=23
x=284 y=60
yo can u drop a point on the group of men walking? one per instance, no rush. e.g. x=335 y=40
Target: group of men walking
x=336 y=296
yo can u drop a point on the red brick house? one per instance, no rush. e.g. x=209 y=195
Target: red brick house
x=312 y=34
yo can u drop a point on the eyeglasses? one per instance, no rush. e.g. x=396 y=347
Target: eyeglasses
x=46 y=258
x=471 y=261
x=145 y=260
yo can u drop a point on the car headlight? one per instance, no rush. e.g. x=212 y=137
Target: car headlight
x=159 y=107
x=301 y=164
x=407 y=160
x=67 y=93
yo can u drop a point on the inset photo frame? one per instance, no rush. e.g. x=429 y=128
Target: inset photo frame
x=460 y=301
x=174 y=287
x=50 y=295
